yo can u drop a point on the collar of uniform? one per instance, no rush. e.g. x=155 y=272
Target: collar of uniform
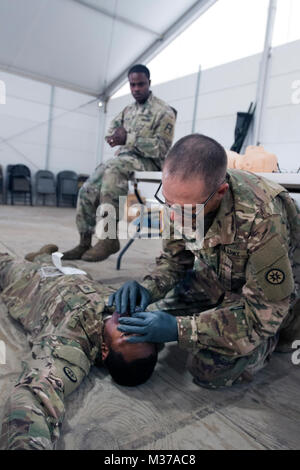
x=147 y=103
x=223 y=228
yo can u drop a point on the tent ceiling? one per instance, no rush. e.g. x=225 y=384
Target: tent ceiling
x=88 y=45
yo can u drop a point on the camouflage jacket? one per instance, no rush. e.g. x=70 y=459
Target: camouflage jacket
x=70 y=307
x=64 y=317
x=247 y=267
x=149 y=126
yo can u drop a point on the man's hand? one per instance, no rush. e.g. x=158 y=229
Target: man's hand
x=130 y=296
x=118 y=138
x=153 y=327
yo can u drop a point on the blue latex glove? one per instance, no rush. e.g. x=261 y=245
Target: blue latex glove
x=154 y=327
x=130 y=296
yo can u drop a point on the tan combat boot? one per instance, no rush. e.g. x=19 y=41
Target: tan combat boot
x=84 y=244
x=45 y=250
x=102 y=250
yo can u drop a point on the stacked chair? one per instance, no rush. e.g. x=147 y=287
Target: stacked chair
x=19 y=182
x=66 y=188
x=45 y=185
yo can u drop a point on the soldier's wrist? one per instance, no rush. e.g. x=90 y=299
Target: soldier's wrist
x=130 y=139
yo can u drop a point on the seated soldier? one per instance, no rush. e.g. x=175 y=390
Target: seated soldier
x=70 y=329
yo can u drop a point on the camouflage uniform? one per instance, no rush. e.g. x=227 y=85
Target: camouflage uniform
x=64 y=316
x=239 y=287
x=150 y=131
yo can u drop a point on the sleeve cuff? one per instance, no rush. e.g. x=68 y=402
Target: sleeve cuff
x=130 y=140
x=187 y=332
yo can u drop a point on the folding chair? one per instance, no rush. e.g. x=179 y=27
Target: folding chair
x=20 y=182
x=67 y=187
x=243 y=122
x=45 y=184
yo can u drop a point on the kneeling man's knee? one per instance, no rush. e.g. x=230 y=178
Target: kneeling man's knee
x=212 y=370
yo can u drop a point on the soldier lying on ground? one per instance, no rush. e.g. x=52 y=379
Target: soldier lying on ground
x=70 y=329
x=144 y=133
x=231 y=297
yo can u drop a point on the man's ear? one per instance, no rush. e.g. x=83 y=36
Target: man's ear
x=223 y=190
x=104 y=351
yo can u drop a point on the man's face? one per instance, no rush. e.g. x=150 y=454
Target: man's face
x=139 y=86
x=115 y=339
x=177 y=191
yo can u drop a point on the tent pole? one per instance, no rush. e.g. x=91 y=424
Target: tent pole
x=263 y=73
x=196 y=99
x=101 y=132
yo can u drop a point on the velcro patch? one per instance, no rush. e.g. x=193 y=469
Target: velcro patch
x=86 y=289
x=272 y=269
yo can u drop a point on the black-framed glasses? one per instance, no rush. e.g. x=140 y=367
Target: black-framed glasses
x=178 y=208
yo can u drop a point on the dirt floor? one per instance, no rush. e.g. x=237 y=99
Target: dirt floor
x=169 y=411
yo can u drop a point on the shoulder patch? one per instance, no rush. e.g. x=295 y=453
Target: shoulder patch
x=70 y=374
x=275 y=276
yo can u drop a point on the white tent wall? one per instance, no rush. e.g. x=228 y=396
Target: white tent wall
x=224 y=90
x=24 y=127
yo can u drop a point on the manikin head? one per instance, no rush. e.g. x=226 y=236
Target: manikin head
x=139 y=82
x=129 y=364
x=195 y=169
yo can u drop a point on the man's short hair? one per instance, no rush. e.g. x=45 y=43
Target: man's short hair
x=130 y=374
x=139 y=68
x=199 y=156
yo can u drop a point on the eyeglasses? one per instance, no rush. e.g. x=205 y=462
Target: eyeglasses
x=178 y=209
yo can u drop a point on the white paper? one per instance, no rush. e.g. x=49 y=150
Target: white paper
x=49 y=271
x=56 y=259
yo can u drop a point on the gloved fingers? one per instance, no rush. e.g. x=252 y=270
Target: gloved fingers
x=144 y=315
x=132 y=329
x=117 y=299
x=131 y=321
x=138 y=339
x=124 y=300
x=111 y=300
x=145 y=298
x=133 y=293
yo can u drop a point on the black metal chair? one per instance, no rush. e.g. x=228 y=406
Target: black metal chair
x=7 y=183
x=20 y=182
x=66 y=187
x=243 y=122
x=45 y=184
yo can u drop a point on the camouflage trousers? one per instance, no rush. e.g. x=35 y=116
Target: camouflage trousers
x=108 y=182
x=208 y=368
x=35 y=410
